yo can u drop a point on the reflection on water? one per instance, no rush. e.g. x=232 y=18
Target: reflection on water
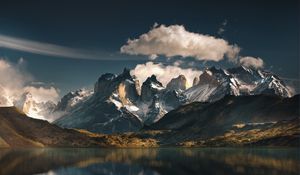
x=163 y=161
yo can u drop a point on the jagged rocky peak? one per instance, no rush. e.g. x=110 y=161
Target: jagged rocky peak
x=246 y=75
x=108 y=83
x=125 y=74
x=153 y=79
x=121 y=90
x=178 y=83
x=240 y=69
x=215 y=70
x=127 y=86
x=150 y=88
x=153 y=82
x=207 y=77
x=216 y=83
x=73 y=98
x=196 y=81
x=260 y=81
x=126 y=93
x=103 y=82
x=272 y=85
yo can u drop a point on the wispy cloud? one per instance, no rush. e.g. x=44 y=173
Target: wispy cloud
x=221 y=30
x=50 y=49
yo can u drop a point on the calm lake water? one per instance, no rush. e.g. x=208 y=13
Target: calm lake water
x=163 y=161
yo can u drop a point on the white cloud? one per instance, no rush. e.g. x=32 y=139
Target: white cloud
x=252 y=62
x=175 y=40
x=164 y=73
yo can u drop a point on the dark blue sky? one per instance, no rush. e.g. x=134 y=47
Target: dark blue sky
x=269 y=30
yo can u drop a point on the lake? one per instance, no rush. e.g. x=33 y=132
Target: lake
x=159 y=161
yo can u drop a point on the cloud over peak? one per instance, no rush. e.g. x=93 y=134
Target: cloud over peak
x=164 y=73
x=15 y=82
x=175 y=40
x=252 y=62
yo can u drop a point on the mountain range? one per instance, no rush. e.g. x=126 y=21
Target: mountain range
x=119 y=104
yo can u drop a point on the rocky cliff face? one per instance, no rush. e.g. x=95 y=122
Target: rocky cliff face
x=150 y=88
x=179 y=83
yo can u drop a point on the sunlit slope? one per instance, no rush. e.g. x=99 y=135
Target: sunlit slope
x=18 y=130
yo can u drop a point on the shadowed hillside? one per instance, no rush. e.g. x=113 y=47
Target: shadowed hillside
x=234 y=121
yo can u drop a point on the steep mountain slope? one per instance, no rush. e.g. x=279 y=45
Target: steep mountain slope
x=18 y=130
x=202 y=121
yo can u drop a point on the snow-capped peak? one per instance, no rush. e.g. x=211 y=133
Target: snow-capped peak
x=216 y=83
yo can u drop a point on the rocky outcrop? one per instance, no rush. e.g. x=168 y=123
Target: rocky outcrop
x=179 y=83
x=150 y=88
